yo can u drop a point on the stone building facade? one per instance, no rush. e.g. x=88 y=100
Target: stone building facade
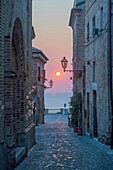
x=17 y=130
x=97 y=57
x=77 y=22
x=39 y=60
x=97 y=49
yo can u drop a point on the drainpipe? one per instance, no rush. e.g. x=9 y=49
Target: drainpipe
x=110 y=68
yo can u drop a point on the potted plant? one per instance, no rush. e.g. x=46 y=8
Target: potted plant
x=75 y=121
x=74 y=113
x=79 y=123
x=79 y=108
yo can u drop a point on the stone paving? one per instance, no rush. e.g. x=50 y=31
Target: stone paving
x=59 y=148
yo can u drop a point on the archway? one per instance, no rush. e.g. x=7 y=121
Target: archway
x=18 y=67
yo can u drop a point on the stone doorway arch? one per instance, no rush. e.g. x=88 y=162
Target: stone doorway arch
x=18 y=84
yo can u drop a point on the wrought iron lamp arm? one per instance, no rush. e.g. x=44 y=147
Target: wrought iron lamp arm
x=69 y=70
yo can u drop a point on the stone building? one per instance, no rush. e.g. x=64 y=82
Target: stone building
x=39 y=60
x=97 y=55
x=77 y=22
x=98 y=71
x=17 y=130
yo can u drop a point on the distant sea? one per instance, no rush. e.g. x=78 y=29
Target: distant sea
x=57 y=100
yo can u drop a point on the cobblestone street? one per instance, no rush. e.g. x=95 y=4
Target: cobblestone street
x=58 y=147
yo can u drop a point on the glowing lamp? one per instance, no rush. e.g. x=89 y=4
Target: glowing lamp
x=64 y=63
x=50 y=83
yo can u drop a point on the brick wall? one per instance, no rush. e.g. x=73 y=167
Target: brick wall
x=3 y=148
x=2 y=12
x=15 y=74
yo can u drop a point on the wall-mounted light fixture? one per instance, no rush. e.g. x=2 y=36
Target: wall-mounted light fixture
x=64 y=63
x=50 y=84
x=39 y=84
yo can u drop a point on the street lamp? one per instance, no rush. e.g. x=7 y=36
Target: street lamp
x=64 y=63
x=50 y=84
x=38 y=84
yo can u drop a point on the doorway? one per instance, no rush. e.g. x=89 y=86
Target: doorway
x=88 y=113
x=95 y=130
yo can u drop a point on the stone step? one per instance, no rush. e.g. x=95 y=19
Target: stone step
x=20 y=154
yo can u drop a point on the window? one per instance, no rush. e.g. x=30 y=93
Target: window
x=94 y=71
x=43 y=75
x=88 y=31
x=101 y=19
x=38 y=73
x=93 y=26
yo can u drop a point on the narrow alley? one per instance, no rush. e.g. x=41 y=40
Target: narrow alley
x=58 y=147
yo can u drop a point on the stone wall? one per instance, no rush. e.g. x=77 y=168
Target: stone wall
x=77 y=22
x=2 y=22
x=17 y=126
x=3 y=147
x=39 y=60
x=97 y=78
x=95 y=64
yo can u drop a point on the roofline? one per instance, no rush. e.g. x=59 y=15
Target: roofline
x=39 y=52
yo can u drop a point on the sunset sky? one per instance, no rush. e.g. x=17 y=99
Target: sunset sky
x=54 y=38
